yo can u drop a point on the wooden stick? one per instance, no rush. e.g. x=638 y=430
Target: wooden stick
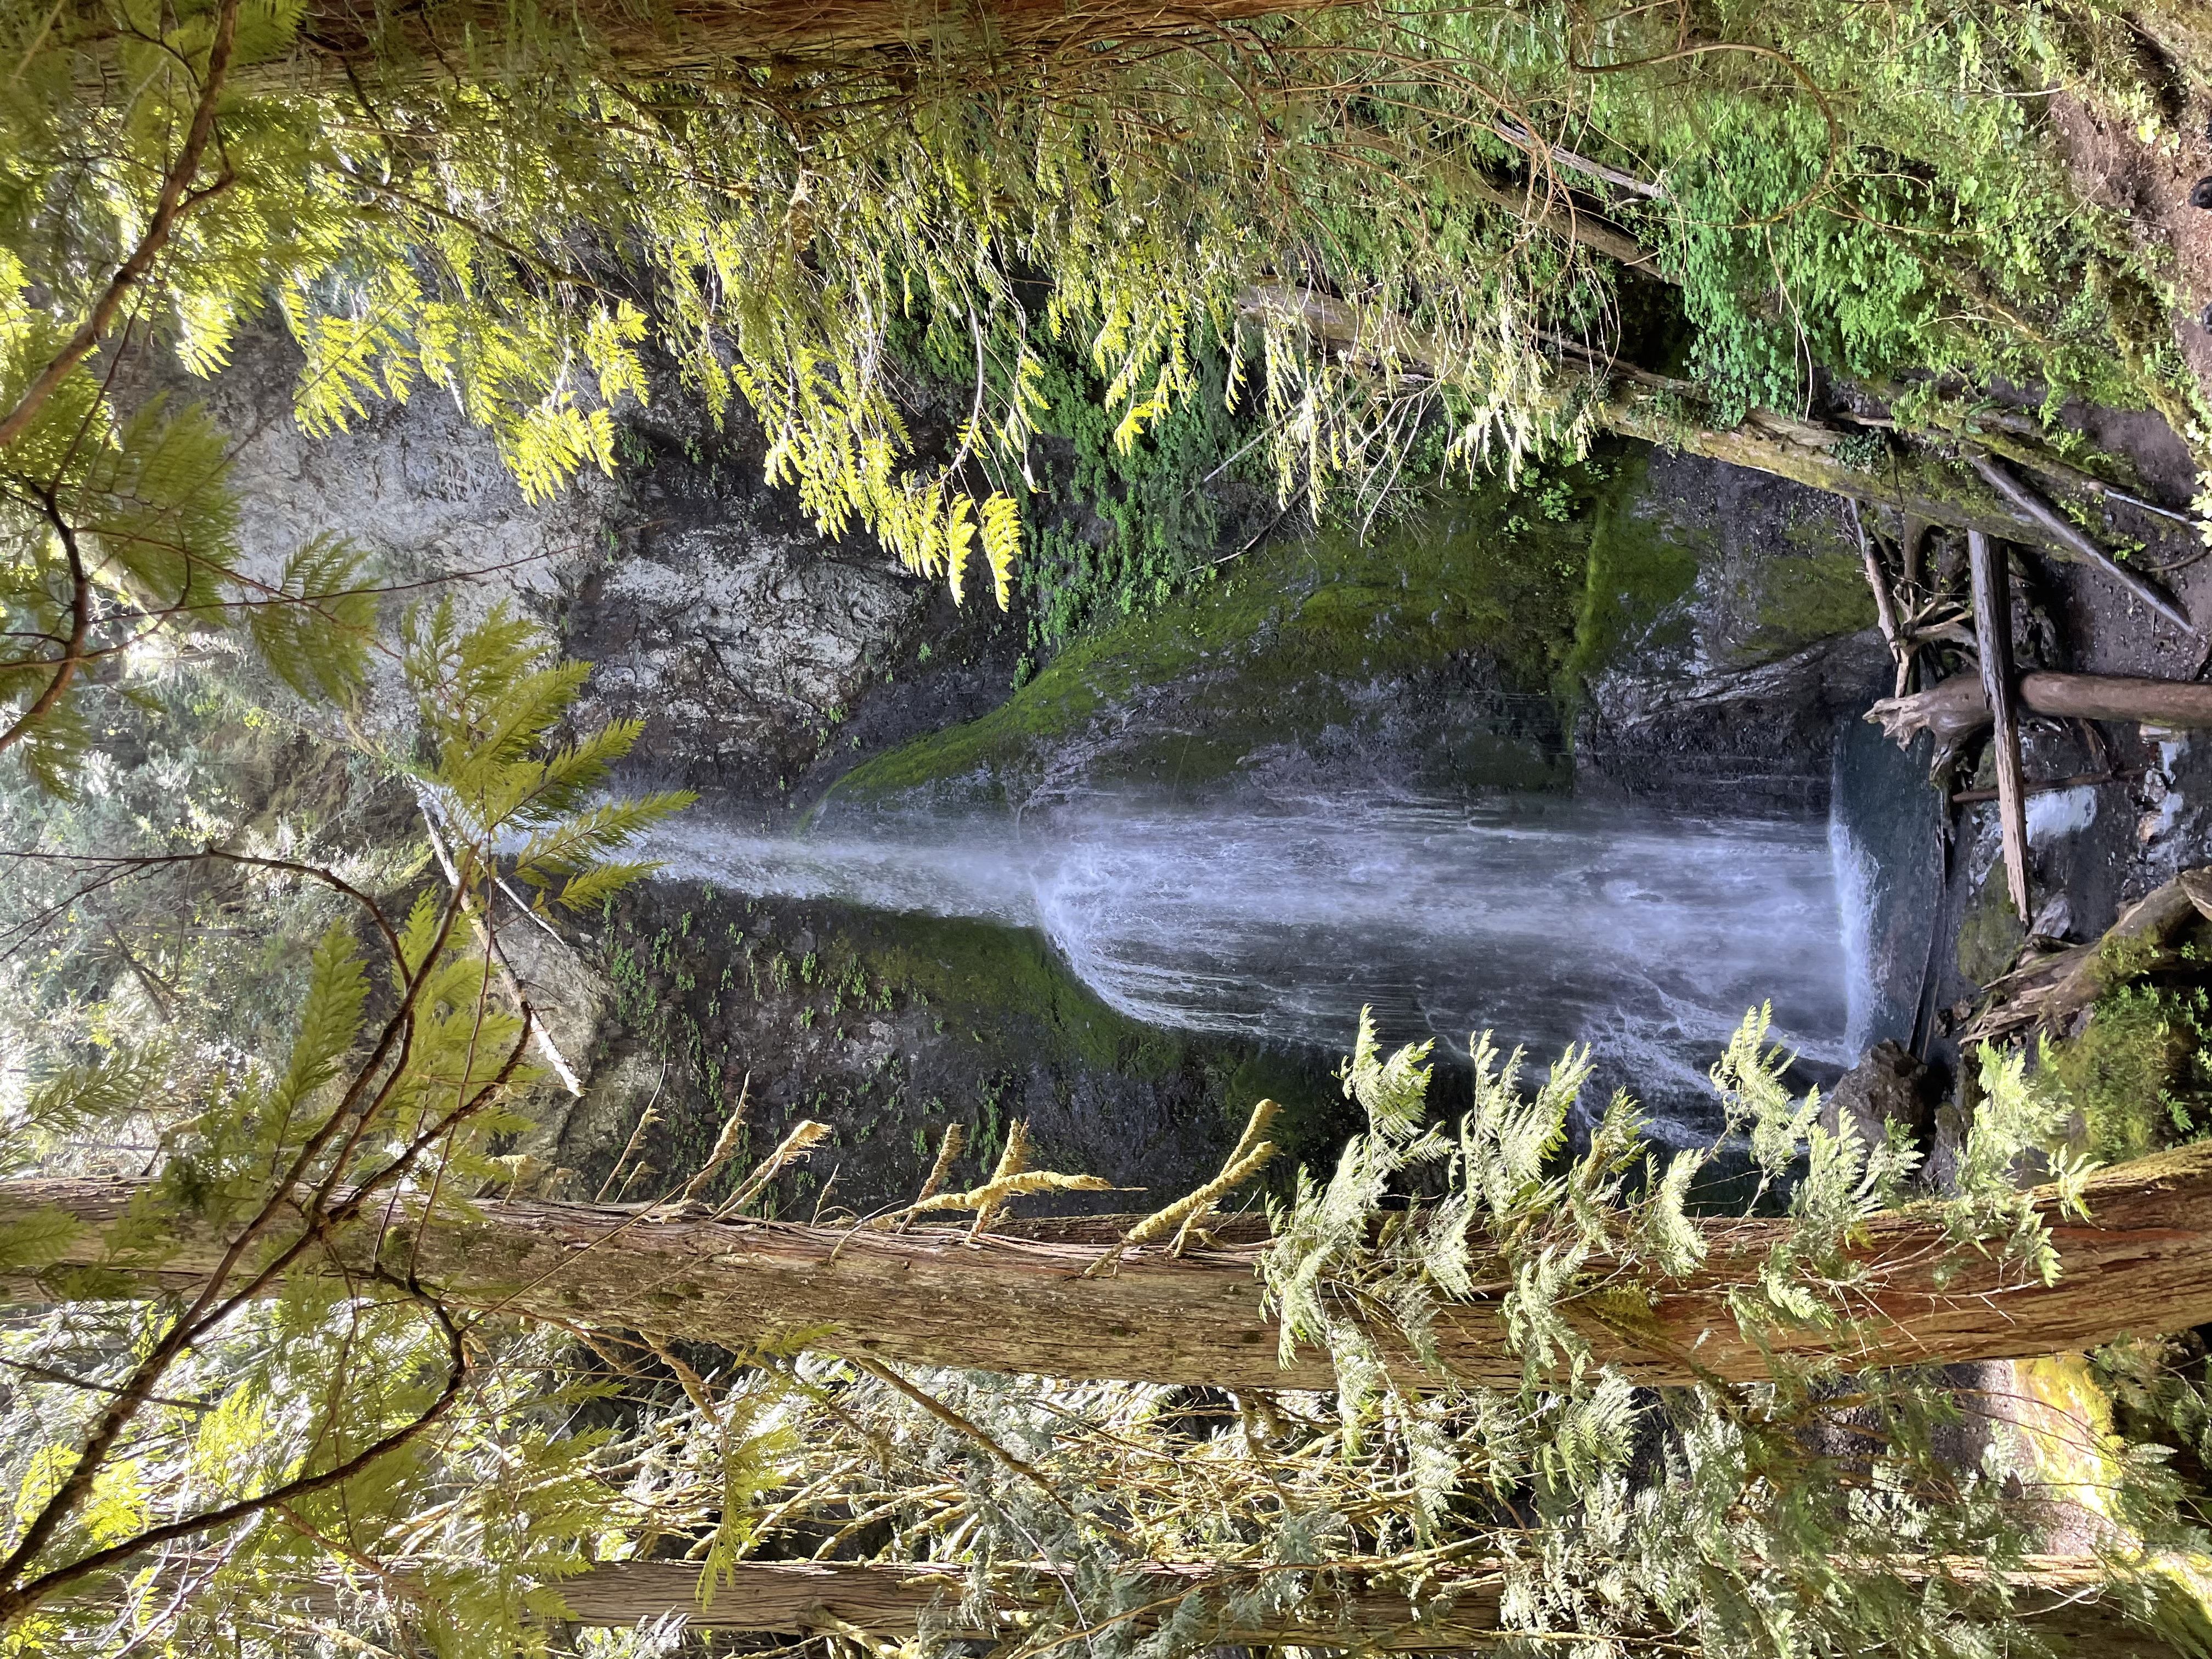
x=561 y=1069
x=1885 y=608
x=1993 y=626
x=2072 y=541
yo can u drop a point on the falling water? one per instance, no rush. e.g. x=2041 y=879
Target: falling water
x=1544 y=921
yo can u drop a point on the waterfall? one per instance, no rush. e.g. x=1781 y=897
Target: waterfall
x=1543 y=921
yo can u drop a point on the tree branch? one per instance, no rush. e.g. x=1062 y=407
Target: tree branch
x=13 y=1603
x=74 y=654
x=177 y=199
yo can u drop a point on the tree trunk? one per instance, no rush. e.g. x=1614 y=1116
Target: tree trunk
x=2143 y=1263
x=1954 y=709
x=1459 y=1607
x=677 y=34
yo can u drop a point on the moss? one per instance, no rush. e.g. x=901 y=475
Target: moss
x=2140 y=1073
x=1312 y=1122
x=1636 y=568
x=1991 y=934
x=1819 y=594
x=961 y=966
x=2061 y=1429
x=1282 y=644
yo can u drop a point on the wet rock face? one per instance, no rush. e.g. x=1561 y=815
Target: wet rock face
x=1755 y=740
x=1728 y=690
x=1705 y=630
x=1887 y=1087
x=414 y=486
x=740 y=646
x=764 y=656
x=714 y=611
x=887 y=1028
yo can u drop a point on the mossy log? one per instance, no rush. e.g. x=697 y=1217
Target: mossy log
x=2142 y=1263
x=438 y=34
x=2052 y=991
x=1638 y=403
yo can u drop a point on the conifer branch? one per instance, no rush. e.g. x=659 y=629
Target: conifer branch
x=72 y=652
x=177 y=199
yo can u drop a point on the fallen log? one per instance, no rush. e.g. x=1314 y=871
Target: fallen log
x=2065 y=1599
x=1638 y=403
x=2143 y=1262
x=2050 y=992
x=1954 y=709
x=892 y=1602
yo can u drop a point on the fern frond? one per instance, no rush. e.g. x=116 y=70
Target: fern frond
x=1002 y=542
x=959 y=534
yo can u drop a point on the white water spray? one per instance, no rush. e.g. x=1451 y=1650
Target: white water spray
x=1544 y=921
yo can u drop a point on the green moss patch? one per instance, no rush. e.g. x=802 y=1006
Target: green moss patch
x=1284 y=644
x=2140 y=1074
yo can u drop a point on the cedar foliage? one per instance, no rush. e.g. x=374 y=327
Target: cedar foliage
x=248 y=1424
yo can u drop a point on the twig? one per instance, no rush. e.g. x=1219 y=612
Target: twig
x=805 y=1136
x=1242 y=1163
x=952 y=1420
x=724 y=1144
x=1993 y=626
x=955 y=1137
x=646 y=1119
x=2026 y=501
x=1969 y=797
x=47 y=1374
x=1567 y=158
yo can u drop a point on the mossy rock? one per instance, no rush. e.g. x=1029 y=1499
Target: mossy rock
x=2139 y=1075
x=1992 y=934
x=1473 y=613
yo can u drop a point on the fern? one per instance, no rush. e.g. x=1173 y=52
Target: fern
x=1002 y=542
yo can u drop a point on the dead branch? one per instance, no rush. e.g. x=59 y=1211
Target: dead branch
x=1957 y=707
x=1993 y=630
x=2072 y=541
